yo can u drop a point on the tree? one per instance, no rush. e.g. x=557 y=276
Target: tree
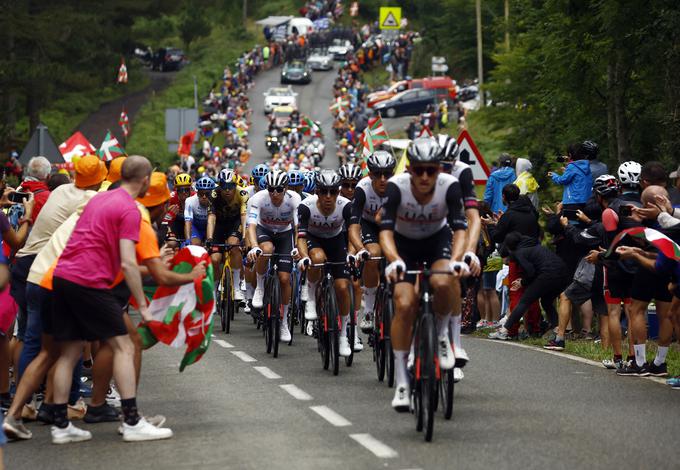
x=192 y=24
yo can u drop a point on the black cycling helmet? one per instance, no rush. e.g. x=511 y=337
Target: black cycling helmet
x=590 y=148
x=450 y=148
x=424 y=150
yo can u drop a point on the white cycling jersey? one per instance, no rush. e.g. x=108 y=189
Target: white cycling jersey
x=311 y=221
x=406 y=216
x=276 y=219
x=463 y=172
x=366 y=202
x=195 y=212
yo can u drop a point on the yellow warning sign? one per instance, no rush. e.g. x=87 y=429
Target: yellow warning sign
x=390 y=17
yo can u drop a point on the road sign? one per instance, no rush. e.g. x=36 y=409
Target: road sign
x=469 y=153
x=390 y=17
x=41 y=144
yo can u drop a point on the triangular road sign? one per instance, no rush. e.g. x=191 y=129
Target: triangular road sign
x=41 y=143
x=390 y=21
x=469 y=153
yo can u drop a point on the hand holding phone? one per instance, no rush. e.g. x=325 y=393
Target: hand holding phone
x=18 y=197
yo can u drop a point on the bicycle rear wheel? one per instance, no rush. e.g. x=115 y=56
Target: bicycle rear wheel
x=277 y=312
x=378 y=336
x=322 y=332
x=429 y=380
x=267 y=315
x=446 y=388
x=351 y=328
x=387 y=315
x=334 y=323
x=227 y=299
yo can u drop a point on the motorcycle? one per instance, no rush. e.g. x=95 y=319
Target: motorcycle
x=273 y=141
x=315 y=150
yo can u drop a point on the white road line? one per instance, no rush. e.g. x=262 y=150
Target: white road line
x=571 y=357
x=372 y=444
x=224 y=344
x=296 y=392
x=267 y=372
x=330 y=416
x=245 y=357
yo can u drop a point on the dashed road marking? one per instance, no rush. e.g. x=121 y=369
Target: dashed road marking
x=372 y=444
x=245 y=357
x=330 y=416
x=224 y=344
x=296 y=392
x=267 y=372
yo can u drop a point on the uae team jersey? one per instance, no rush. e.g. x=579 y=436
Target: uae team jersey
x=276 y=219
x=406 y=216
x=463 y=172
x=313 y=222
x=366 y=202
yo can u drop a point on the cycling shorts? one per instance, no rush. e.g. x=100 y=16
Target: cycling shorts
x=648 y=285
x=618 y=286
x=198 y=232
x=369 y=232
x=335 y=249
x=427 y=250
x=227 y=228
x=283 y=245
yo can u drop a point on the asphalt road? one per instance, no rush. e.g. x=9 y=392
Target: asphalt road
x=516 y=408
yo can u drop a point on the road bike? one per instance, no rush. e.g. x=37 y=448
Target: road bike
x=226 y=305
x=272 y=310
x=379 y=338
x=328 y=322
x=355 y=273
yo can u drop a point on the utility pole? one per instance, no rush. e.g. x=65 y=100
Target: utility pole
x=480 y=64
x=507 y=25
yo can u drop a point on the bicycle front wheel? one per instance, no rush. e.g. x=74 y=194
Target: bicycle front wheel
x=351 y=328
x=277 y=312
x=387 y=315
x=227 y=300
x=429 y=374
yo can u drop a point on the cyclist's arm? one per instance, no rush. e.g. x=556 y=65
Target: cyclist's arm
x=354 y=229
x=253 y=217
x=457 y=221
x=303 y=223
x=210 y=231
x=188 y=217
x=474 y=222
x=244 y=212
x=347 y=215
x=387 y=222
x=244 y=226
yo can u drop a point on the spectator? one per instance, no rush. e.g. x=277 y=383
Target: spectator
x=576 y=179
x=487 y=298
x=504 y=175
x=57 y=180
x=35 y=181
x=527 y=184
x=521 y=217
x=597 y=168
x=674 y=191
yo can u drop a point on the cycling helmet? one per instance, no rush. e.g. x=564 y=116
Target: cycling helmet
x=183 y=179
x=327 y=179
x=276 y=178
x=295 y=178
x=310 y=183
x=260 y=171
x=606 y=185
x=449 y=148
x=262 y=183
x=590 y=148
x=227 y=176
x=424 y=150
x=205 y=183
x=629 y=173
x=350 y=171
x=381 y=160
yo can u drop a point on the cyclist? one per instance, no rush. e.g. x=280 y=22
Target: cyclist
x=296 y=182
x=369 y=197
x=174 y=217
x=227 y=222
x=414 y=230
x=196 y=210
x=256 y=176
x=272 y=225
x=320 y=237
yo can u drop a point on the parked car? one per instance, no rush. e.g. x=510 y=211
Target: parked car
x=410 y=102
x=397 y=87
x=340 y=48
x=296 y=71
x=320 y=59
x=279 y=96
x=168 y=58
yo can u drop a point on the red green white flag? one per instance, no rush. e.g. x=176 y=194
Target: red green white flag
x=309 y=127
x=661 y=242
x=124 y=123
x=367 y=148
x=122 y=72
x=183 y=315
x=110 y=148
x=378 y=130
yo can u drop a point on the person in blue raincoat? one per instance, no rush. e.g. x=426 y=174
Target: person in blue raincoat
x=504 y=175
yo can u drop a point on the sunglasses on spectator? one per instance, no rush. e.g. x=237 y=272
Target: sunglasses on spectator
x=421 y=170
x=228 y=186
x=278 y=189
x=348 y=185
x=184 y=190
x=328 y=192
x=381 y=174
x=204 y=194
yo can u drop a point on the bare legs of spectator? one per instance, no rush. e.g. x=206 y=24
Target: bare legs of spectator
x=587 y=317
x=664 y=314
x=614 y=322
x=605 y=340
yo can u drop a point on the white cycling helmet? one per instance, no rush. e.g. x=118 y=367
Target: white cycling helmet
x=381 y=160
x=327 y=178
x=276 y=178
x=227 y=176
x=350 y=171
x=449 y=146
x=629 y=173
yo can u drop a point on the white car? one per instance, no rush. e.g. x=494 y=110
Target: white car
x=279 y=96
x=320 y=59
x=340 y=48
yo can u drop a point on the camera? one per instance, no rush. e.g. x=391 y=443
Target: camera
x=562 y=159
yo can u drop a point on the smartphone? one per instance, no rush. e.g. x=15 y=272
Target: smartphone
x=18 y=197
x=570 y=214
x=626 y=211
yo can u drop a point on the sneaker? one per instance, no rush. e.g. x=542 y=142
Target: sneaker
x=69 y=434
x=246 y=308
x=554 y=345
x=101 y=414
x=657 y=371
x=483 y=324
x=633 y=369
x=77 y=410
x=674 y=382
x=284 y=333
x=310 y=310
x=344 y=350
x=144 y=431
x=15 y=429
x=45 y=414
x=358 y=345
x=446 y=359
x=366 y=324
x=402 y=399
x=156 y=420
x=612 y=364
x=457 y=374
x=242 y=285
x=238 y=295
x=258 y=297
x=461 y=357
x=500 y=334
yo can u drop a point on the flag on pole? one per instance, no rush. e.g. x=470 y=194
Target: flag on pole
x=309 y=127
x=122 y=72
x=367 y=148
x=341 y=103
x=124 y=123
x=186 y=142
x=110 y=148
x=182 y=315
x=378 y=130
x=665 y=245
x=76 y=146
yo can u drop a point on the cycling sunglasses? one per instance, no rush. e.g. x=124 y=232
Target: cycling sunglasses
x=278 y=190
x=228 y=186
x=421 y=170
x=349 y=185
x=204 y=193
x=328 y=192
x=183 y=190
x=381 y=174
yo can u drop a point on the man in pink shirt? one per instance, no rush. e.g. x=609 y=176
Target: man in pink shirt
x=102 y=243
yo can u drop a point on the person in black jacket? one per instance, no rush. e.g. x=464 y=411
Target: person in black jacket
x=521 y=217
x=544 y=278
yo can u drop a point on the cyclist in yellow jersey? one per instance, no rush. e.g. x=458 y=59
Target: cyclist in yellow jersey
x=226 y=224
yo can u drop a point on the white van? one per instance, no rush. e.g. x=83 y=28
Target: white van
x=303 y=26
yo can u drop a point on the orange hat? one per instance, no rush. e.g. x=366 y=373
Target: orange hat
x=90 y=170
x=114 y=169
x=158 y=191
